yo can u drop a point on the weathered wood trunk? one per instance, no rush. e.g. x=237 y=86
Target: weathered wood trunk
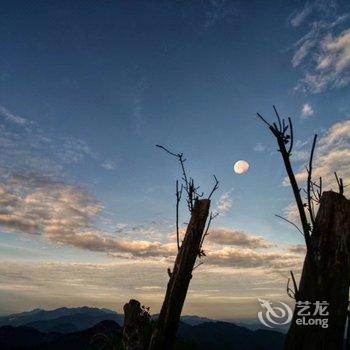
x=135 y=321
x=325 y=277
x=164 y=334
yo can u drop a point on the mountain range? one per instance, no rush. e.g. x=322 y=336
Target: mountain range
x=88 y=328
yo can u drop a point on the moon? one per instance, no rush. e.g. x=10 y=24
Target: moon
x=241 y=167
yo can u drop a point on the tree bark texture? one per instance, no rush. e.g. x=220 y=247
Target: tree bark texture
x=325 y=277
x=164 y=334
x=135 y=321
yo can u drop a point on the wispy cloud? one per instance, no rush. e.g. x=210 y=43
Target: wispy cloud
x=297 y=249
x=24 y=285
x=109 y=164
x=13 y=118
x=237 y=238
x=64 y=214
x=259 y=147
x=332 y=154
x=248 y=258
x=323 y=53
x=299 y=17
x=36 y=150
x=307 y=111
x=224 y=203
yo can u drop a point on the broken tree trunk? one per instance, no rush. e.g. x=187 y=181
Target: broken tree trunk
x=135 y=322
x=164 y=334
x=325 y=277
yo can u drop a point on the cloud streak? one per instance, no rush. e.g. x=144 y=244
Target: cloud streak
x=237 y=238
x=323 y=53
x=332 y=154
x=13 y=118
x=65 y=215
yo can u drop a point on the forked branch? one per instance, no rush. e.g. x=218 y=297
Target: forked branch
x=283 y=133
x=340 y=183
x=178 y=199
x=188 y=182
x=206 y=233
x=293 y=293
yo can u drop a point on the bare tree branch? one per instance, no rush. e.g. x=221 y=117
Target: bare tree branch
x=216 y=186
x=290 y=222
x=206 y=233
x=292 y=293
x=178 y=199
x=309 y=183
x=284 y=137
x=199 y=264
x=192 y=191
x=340 y=183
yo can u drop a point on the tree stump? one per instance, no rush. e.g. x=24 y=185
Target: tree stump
x=135 y=321
x=325 y=276
x=164 y=334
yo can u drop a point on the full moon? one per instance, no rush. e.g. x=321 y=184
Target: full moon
x=241 y=167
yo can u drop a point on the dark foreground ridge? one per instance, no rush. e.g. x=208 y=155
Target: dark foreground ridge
x=70 y=329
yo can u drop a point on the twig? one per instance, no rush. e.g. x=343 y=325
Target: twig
x=199 y=264
x=178 y=199
x=190 y=188
x=206 y=232
x=284 y=135
x=340 y=183
x=294 y=283
x=309 y=182
x=216 y=186
x=290 y=222
x=292 y=293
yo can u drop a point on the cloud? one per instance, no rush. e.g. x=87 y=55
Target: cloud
x=248 y=258
x=109 y=165
x=237 y=238
x=307 y=111
x=224 y=203
x=259 y=148
x=33 y=149
x=74 y=151
x=299 y=16
x=292 y=213
x=303 y=50
x=64 y=214
x=13 y=118
x=25 y=285
x=320 y=8
x=297 y=249
x=323 y=53
x=332 y=154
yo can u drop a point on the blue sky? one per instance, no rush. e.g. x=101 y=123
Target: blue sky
x=86 y=91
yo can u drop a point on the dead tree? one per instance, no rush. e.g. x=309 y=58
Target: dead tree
x=189 y=250
x=326 y=270
x=136 y=320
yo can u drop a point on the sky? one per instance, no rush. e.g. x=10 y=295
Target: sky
x=88 y=88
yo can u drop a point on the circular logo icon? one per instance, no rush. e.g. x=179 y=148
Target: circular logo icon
x=274 y=315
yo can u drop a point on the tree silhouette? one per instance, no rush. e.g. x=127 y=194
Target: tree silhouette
x=189 y=249
x=326 y=270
